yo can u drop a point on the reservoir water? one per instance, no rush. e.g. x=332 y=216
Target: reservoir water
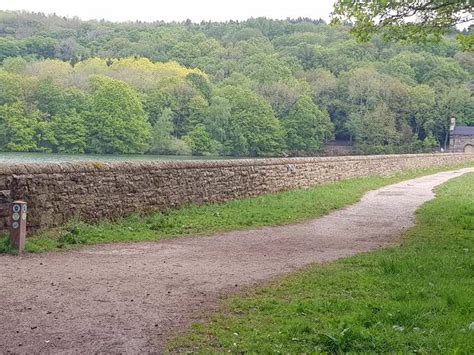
x=15 y=158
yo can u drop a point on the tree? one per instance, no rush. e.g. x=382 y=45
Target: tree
x=452 y=102
x=116 y=121
x=10 y=88
x=245 y=78
x=430 y=142
x=201 y=141
x=307 y=127
x=49 y=98
x=15 y=65
x=197 y=108
x=161 y=133
x=18 y=128
x=421 y=105
x=253 y=128
x=69 y=132
x=162 y=140
x=10 y=48
x=201 y=83
x=418 y=20
x=218 y=118
x=374 y=131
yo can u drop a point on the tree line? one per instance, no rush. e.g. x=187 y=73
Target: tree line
x=255 y=88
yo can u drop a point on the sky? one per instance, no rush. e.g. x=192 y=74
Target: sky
x=175 y=10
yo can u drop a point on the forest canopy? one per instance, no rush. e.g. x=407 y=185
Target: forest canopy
x=255 y=88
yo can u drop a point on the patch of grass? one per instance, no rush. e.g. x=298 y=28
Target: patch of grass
x=272 y=209
x=414 y=298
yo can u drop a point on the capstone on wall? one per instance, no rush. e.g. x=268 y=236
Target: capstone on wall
x=57 y=193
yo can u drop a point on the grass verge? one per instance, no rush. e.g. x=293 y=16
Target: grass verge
x=414 y=298
x=272 y=209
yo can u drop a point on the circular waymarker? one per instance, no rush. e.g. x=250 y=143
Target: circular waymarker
x=16 y=208
x=23 y=208
x=15 y=225
x=23 y=217
x=15 y=216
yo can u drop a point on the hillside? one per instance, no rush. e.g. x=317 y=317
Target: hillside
x=255 y=88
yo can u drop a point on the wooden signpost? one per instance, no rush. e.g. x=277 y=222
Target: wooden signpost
x=18 y=225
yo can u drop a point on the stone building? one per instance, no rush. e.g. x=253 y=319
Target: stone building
x=461 y=139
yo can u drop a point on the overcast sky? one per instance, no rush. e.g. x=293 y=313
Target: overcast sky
x=178 y=10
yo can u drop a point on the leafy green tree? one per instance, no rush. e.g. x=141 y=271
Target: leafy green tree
x=156 y=101
x=201 y=141
x=307 y=127
x=375 y=130
x=10 y=88
x=40 y=45
x=69 y=132
x=201 y=83
x=18 y=128
x=49 y=98
x=421 y=105
x=197 y=107
x=44 y=136
x=162 y=140
x=161 y=135
x=14 y=65
x=253 y=128
x=10 y=48
x=218 y=118
x=116 y=121
x=419 y=20
x=430 y=142
x=184 y=98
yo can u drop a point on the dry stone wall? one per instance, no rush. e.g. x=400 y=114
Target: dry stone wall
x=461 y=143
x=56 y=193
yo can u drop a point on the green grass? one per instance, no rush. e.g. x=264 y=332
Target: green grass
x=414 y=298
x=273 y=209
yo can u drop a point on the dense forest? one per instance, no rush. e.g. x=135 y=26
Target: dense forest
x=255 y=88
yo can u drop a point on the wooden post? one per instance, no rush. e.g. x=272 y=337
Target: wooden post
x=18 y=211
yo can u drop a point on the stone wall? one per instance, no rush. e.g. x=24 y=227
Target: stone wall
x=57 y=193
x=460 y=143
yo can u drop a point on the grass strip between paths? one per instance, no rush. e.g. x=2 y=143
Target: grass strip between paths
x=414 y=298
x=272 y=209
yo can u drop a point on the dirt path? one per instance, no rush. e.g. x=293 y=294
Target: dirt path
x=129 y=297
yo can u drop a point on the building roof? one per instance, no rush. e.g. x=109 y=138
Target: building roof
x=464 y=131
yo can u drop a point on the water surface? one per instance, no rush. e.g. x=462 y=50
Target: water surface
x=13 y=158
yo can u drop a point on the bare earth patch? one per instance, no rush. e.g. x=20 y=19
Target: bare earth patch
x=132 y=297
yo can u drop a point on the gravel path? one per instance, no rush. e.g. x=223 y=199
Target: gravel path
x=131 y=297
